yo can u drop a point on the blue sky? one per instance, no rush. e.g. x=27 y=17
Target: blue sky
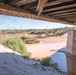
x=9 y=22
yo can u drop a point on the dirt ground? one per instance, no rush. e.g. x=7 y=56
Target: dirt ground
x=47 y=46
x=54 y=39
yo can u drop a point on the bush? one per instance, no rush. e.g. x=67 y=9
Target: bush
x=16 y=44
x=48 y=62
x=28 y=40
x=45 y=61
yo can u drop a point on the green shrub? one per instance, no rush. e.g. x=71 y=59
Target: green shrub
x=45 y=61
x=48 y=62
x=29 y=40
x=16 y=44
x=55 y=65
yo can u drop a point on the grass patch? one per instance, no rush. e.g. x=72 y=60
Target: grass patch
x=16 y=44
x=48 y=62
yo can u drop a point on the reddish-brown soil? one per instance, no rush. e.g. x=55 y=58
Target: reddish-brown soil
x=47 y=46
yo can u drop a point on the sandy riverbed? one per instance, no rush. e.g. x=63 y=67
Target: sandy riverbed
x=49 y=46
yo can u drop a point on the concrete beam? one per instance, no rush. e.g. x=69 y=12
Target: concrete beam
x=53 y=3
x=59 y=8
x=56 y=2
x=12 y=11
x=21 y=2
x=63 y=11
x=40 y=6
x=65 y=14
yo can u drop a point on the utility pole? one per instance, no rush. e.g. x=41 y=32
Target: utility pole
x=20 y=26
x=47 y=26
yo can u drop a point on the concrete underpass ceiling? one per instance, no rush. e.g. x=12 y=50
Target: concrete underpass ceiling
x=62 y=11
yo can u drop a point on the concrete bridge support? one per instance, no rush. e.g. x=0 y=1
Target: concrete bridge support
x=71 y=68
x=71 y=44
x=71 y=52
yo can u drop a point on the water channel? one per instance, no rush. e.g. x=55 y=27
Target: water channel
x=65 y=63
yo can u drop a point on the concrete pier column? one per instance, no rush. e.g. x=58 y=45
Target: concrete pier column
x=71 y=65
x=71 y=43
x=71 y=52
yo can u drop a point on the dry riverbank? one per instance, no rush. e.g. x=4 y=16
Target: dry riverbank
x=47 y=47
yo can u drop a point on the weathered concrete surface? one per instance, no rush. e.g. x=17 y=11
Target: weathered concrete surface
x=71 y=42
x=71 y=52
x=71 y=68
